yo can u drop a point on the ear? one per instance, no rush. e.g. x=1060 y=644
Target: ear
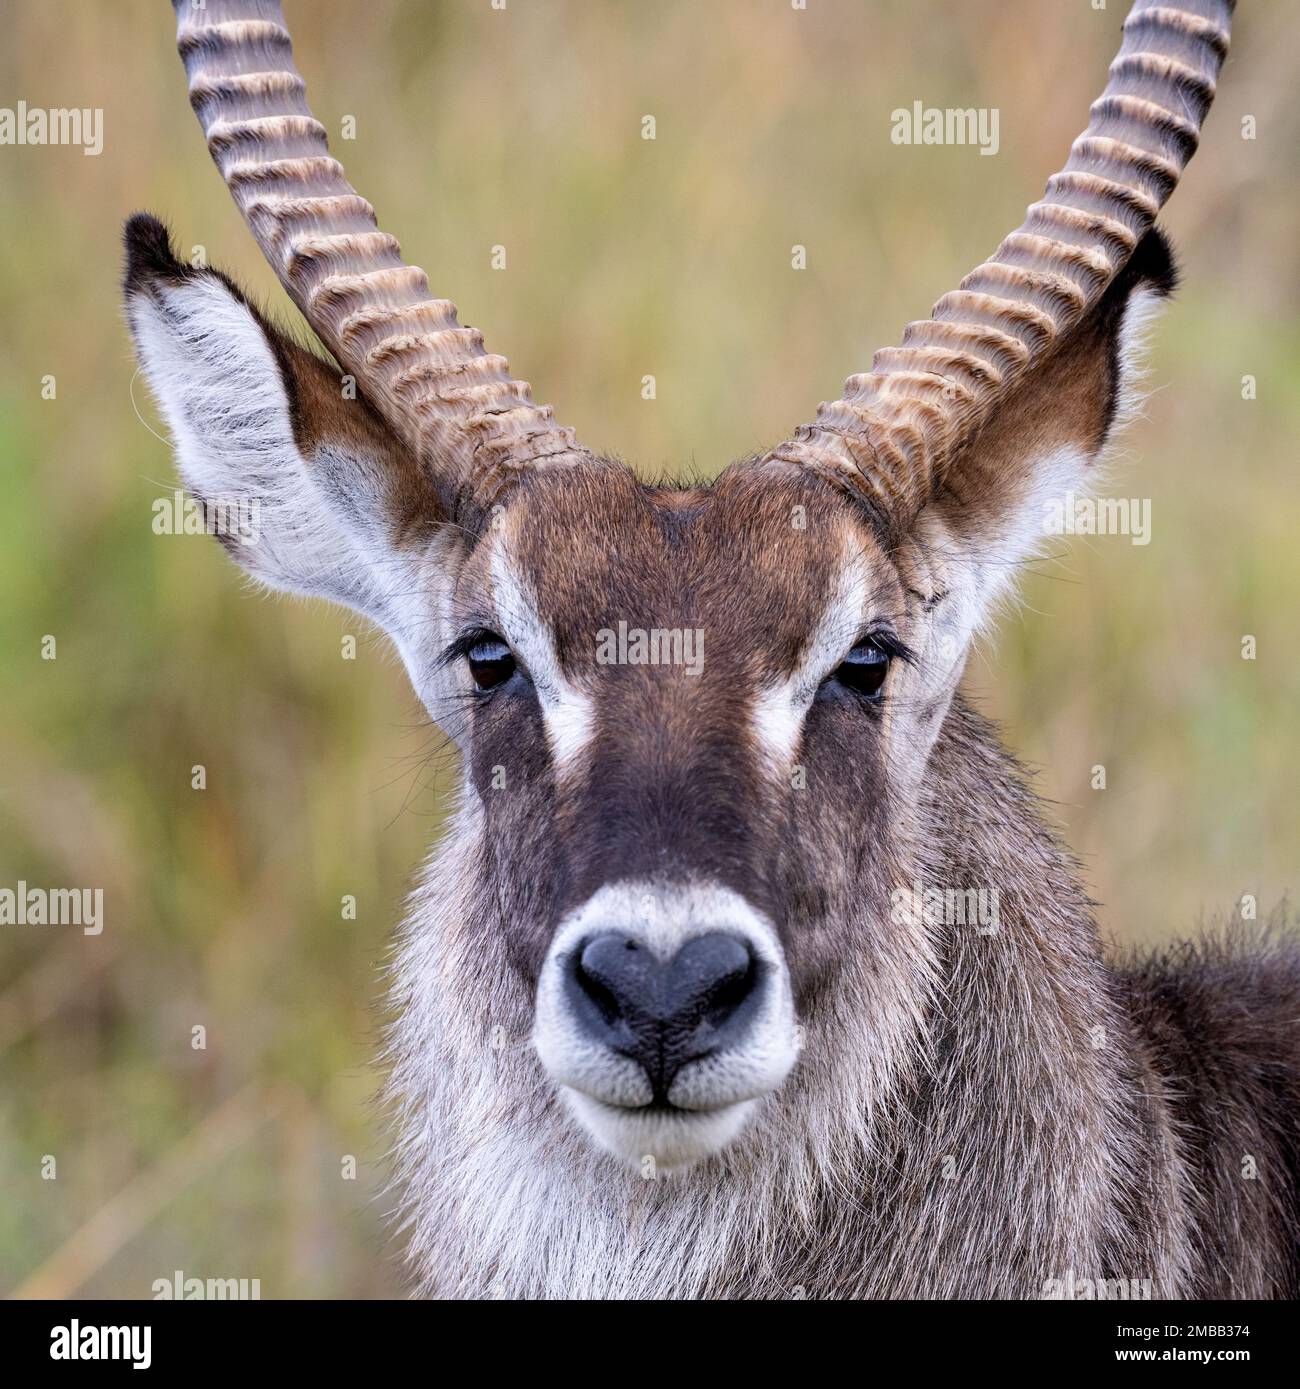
x=305 y=487
x=1000 y=501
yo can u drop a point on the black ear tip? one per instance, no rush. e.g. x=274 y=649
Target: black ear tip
x=1153 y=263
x=149 y=253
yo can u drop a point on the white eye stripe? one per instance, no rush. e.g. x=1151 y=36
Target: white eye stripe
x=567 y=712
x=779 y=709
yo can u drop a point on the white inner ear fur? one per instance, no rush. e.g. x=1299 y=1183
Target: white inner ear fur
x=218 y=386
x=568 y=713
x=979 y=575
x=322 y=526
x=1144 y=307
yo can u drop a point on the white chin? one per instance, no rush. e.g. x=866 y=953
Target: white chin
x=659 y=1140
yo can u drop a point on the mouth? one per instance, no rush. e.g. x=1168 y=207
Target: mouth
x=659 y=1137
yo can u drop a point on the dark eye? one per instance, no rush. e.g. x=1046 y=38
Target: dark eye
x=491 y=662
x=863 y=669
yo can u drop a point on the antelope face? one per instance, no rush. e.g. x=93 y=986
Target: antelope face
x=669 y=695
x=695 y=723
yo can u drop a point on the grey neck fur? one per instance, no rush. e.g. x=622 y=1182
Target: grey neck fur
x=1001 y=1128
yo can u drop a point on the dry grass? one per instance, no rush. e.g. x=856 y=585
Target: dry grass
x=476 y=127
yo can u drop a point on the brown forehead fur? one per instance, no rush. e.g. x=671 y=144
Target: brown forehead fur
x=751 y=561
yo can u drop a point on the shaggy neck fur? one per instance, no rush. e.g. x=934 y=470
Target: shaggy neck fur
x=1001 y=1129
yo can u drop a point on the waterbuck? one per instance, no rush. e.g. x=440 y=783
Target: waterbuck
x=747 y=965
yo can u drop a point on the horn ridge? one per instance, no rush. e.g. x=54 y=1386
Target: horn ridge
x=432 y=379
x=940 y=385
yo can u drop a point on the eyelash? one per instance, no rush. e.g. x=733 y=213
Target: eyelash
x=892 y=646
x=465 y=643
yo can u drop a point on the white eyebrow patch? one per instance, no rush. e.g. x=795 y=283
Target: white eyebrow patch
x=779 y=709
x=568 y=714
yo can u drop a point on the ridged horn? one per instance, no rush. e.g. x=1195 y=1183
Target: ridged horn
x=457 y=406
x=891 y=436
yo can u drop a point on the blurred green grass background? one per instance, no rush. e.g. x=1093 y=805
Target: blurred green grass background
x=626 y=257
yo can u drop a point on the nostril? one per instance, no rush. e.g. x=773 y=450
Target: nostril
x=729 y=993
x=616 y=978
x=599 y=993
x=710 y=978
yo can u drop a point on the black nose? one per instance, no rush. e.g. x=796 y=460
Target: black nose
x=665 y=1013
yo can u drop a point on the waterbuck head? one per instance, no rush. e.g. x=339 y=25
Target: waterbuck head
x=697 y=724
